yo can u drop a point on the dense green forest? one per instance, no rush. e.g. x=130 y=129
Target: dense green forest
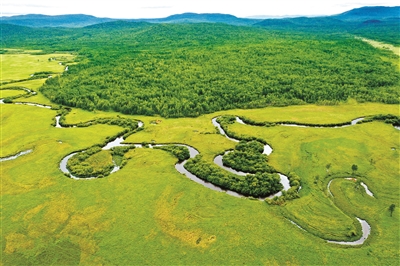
x=250 y=73
x=178 y=70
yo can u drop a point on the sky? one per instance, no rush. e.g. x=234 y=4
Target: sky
x=164 y=8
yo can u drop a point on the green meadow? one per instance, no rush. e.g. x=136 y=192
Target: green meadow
x=149 y=213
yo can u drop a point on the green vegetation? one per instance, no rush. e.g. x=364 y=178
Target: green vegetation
x=19 y=66
x=92 y=162
x=181 y=70
x=180 y=152
x=147 y=206
x=257 y=185
x=391 y=209
x=193 y=81
x=12 y=93
x=118 y=155
x=247 y=157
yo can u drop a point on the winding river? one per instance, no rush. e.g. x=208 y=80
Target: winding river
x=369 y=193
x=366 y=229
x=118 y=142
x=284 y=180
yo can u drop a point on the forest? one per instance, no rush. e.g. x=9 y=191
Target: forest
x=193 y=81
x=186 y=70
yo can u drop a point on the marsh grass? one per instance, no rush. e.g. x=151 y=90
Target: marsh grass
x=148 y=213
x=21 y=66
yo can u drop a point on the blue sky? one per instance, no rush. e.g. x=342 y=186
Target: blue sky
x=163 y=8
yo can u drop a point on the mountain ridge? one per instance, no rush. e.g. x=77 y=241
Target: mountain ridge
x=362 y=14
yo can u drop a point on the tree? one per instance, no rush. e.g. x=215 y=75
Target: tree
x=391 y=209
x=328 y=166
x=354 y=168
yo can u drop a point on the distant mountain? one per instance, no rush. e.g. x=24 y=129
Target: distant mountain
x=380 y=23
x=72 y=21
x=369 y=13
x=301 y=22
x=69 y=21
x=204 y=18
x=119 y=24
x=351 y=19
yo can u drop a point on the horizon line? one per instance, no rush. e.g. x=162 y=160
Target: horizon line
x=246 y=17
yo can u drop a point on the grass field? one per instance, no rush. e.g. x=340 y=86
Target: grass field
x=16 y=66
x=148 y=213
x=394 y=49
x=11 y=93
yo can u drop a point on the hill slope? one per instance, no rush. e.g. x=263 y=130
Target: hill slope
x=34 y=20
x=73 y=21
x=369 y=13
x=204 y=18
x=379 y=23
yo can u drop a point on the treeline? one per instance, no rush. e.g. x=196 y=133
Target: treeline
x=180 y=152
x=386 y=118
x=129 y=124
x=270 y=124
x=257 y=185
x=226 y=120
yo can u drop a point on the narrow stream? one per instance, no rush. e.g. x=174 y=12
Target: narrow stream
x=367 y=190
x=218 y=161
x=366 y=230
x=58 y=121
x=221 y=131
x=284 y=180
x=352 y=123
x=34 y=104
x=13 y=157
x=369 y=193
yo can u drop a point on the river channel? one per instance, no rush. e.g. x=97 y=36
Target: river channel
x=366 y=229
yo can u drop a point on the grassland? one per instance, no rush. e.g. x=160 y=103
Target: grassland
x=11 y=93
x=394 y=49
x=148 y=213
x=28 y=64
